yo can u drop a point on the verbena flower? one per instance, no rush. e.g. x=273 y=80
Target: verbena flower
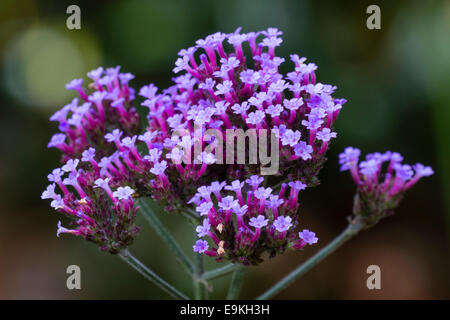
x=215 y=88
x=104 y=106
x=95 y=211
x=243 y=220
x=229 y=89
x=381 y=180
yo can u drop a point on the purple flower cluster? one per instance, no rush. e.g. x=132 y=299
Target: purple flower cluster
x=108 y=106
x=381 y=180
x=219 y=89
x=94 y=166
x=225 y=89
x=98 y=210
x=244 y=219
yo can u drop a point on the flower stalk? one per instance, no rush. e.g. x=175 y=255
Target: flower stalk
x=150 y=275
x=352 y=230
x=236 y=283
x=220 y=272
x=153 y=220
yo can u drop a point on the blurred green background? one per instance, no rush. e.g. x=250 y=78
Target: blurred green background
x=396 y=80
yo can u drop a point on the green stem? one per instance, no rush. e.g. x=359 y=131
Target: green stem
x=236 y=283
x=150 y=275
x=200 y=285
x=219 y=272
x=191 y=215
x=352 y=230
x=153 y=220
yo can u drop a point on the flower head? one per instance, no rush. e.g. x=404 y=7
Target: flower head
x=262 y=221
x=382 y=180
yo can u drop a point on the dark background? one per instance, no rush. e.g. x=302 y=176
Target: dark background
x=396 y=80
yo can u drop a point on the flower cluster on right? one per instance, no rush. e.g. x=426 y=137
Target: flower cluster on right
x=382 y=180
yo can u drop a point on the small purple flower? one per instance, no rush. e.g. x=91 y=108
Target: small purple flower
x=102 y=183
x=159 y=168
x=306 y=68
x=297 y=185
x=148 y=136
x=154 y=155
x=208 y=84
x=293 y=104
x=224 y=87
x=271 y=42
x=282 y=223
x=114 y=135
x=217 y=186
x=228 y=203
x=278 y=87
x=297 y=60
x=176 y=155
x=49 y=193
x=72 y=179
x=207 y=157
x=104 y=162
x=308 y=236
x=249 y=76
x=236 y=185
x=56 y=140
x=95 y=74
x=303 y=150
x=325 y=134
x=240 y=210
x=148 y=91
x=263 y=193
x=291 y=138
x=56 y=175
x=230 y=63
x=274 y=110
x=181 y=64
x=349 y=158
x=240 y=108
x=369 y=168
x=71 y=165
x=403 y=171
x=254 y=181
x=203 y=229
x=201 y=246
x=272 y=32
x=61 y=229
x=118 y=103
x=129 y=142
x=221 y=107
x=274 y=201
x=313 y=122
x=75 y=84
x=88 y=155
x=259 y=222
x=123 y=193
x=320 y=113
x=204 y=208
x=205 y=192
x=423 y=171
x=125 y=77
x=255 y=117
x=57 y=203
